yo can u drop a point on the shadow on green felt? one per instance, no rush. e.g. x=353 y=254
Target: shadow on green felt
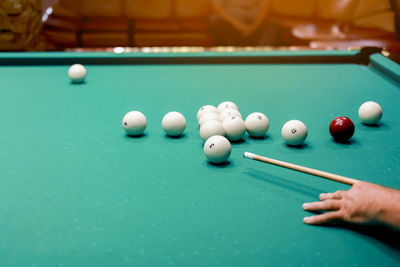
x=261 y=138
x=174 y=138
x=284 y=183
x=304 y=146
x=384 y=235
x=372 y=127
x=77 y=83
x=223 y=165
x=345 y=142
x=353 y=142
x=238 y=142
x=136 y=137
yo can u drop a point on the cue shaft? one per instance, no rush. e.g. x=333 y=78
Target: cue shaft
x=326 y=175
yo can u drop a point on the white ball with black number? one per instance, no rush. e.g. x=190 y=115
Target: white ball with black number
x=257 y=124
x=234 y=127
x=204 y=109
x=134 y=123
x=225 y=105
x=229 y=112
x=294 y=132
x=217 y=149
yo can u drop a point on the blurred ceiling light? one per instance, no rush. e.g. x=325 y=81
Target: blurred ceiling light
x=47 y=13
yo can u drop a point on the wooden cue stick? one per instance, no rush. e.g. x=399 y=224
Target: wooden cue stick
x=326 y=175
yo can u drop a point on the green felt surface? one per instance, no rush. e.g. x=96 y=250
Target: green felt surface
x=76 y=191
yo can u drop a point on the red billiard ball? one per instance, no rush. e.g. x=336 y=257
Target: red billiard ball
x=341 y=129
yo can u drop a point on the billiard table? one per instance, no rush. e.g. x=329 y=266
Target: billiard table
x=75 y=190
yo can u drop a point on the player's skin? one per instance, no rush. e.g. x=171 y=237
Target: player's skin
x=363 y=203
x=244 y=29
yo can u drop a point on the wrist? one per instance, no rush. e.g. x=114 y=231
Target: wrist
x=388 y=209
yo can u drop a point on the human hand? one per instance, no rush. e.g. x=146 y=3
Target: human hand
x=364 y=203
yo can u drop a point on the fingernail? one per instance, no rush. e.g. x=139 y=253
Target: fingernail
x=306 y=219
x=306 y=206
x=321 y=195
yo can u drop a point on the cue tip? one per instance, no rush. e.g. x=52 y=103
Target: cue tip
x=248 y=155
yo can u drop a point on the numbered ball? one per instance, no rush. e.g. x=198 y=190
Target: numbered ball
x=229 y=112
x=134 y=123
x=225 y=105
x=217 y=149
x=174 y=123
x=341 y=129
x=257 y=124
x=234 y=127
x=294 y=132
x=211 y=128
x=77 y=73
x=208 y=117
x=204 y=109
x=370 y=112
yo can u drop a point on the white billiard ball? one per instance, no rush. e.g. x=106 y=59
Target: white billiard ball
x=370 y=112
x=217 y=149
x=134 y=123
x=229 y=112
x=174 y=123
x=211 y=128
x=234 y=127
x=294 y=132
x=208 y=117
x=204 y=109
x=77 y=73
x=226 y=104
x=257 y=124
